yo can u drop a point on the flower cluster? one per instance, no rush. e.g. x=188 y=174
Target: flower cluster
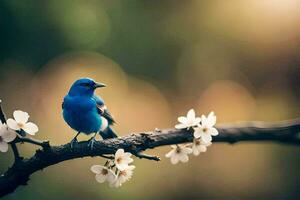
x=203 y=130
x=115 y=172
x=20 y=125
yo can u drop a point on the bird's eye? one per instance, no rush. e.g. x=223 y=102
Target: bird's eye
x=85 y=85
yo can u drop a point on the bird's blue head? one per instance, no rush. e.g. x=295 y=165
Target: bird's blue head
x=84 y=87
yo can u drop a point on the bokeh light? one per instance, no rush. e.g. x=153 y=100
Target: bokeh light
x=82 y=23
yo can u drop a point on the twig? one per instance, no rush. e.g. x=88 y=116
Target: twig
x=146 y=156
x=44 y=144
x=17 y=156
x=2 y=116
x=286 y=132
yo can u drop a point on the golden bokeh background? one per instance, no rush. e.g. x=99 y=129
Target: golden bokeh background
x=239 y=58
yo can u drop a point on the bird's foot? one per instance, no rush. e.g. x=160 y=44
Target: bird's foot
x=91 y=143
x=73 y=142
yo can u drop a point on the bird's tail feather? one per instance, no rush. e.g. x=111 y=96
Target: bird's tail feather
x=108 y=133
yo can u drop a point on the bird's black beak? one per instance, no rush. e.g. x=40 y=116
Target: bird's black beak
x=99 y=85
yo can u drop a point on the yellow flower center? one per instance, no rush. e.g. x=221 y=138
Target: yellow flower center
x=122 y=173
x=104 y=171
x=205 y=130
x=21 y=125
x=178 y=150
x=119 y=160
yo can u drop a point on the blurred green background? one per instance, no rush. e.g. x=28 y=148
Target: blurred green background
x=239 y=58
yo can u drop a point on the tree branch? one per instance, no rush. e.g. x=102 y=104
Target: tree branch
x=286 y=132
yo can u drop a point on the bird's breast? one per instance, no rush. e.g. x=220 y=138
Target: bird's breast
x=81 y=114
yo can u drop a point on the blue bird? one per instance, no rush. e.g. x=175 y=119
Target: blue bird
x=85 y=112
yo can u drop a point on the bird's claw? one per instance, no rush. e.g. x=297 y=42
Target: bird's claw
x=73 y=142
x=91 y=143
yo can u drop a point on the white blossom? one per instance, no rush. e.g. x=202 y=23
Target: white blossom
x=103 y=174
x=179 y=153
x=122 y=159
x=20 y=121
x=6 y=136
x=199 y=146
x=123 y=176
x=189 y=121
x=206 y=129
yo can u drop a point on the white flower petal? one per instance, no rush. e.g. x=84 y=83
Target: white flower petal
x=3 y=146
x=198 y=132
x=122 y=166
x=97 y=168
x=205 y=143
x=202 y=148
x=111 y=177
x=182 y=120
x=213 y=131
x=174 y=159
x=203 y=120
x=123 y=176
x=191 y=114
x=21 y=117
x=119 y=152
x=211 y=121
x=100 y=178
x=127 y=155
x=212 y=118
x=128 y=160
x=9 y=135
x=170 y=153
x=197 y=135
x=12 y=124
x=197 y=120
x=196 y=151
x=184 y=158
x=186 y=150
x=206 y=137
x=189 y=121
x=211 y=114
x=180 y=126
x=118 y=182
x=30 y=128
x=3 y=128
x=131 y=167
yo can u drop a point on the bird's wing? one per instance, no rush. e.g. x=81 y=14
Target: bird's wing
x=106 y=114
x=102 y=110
